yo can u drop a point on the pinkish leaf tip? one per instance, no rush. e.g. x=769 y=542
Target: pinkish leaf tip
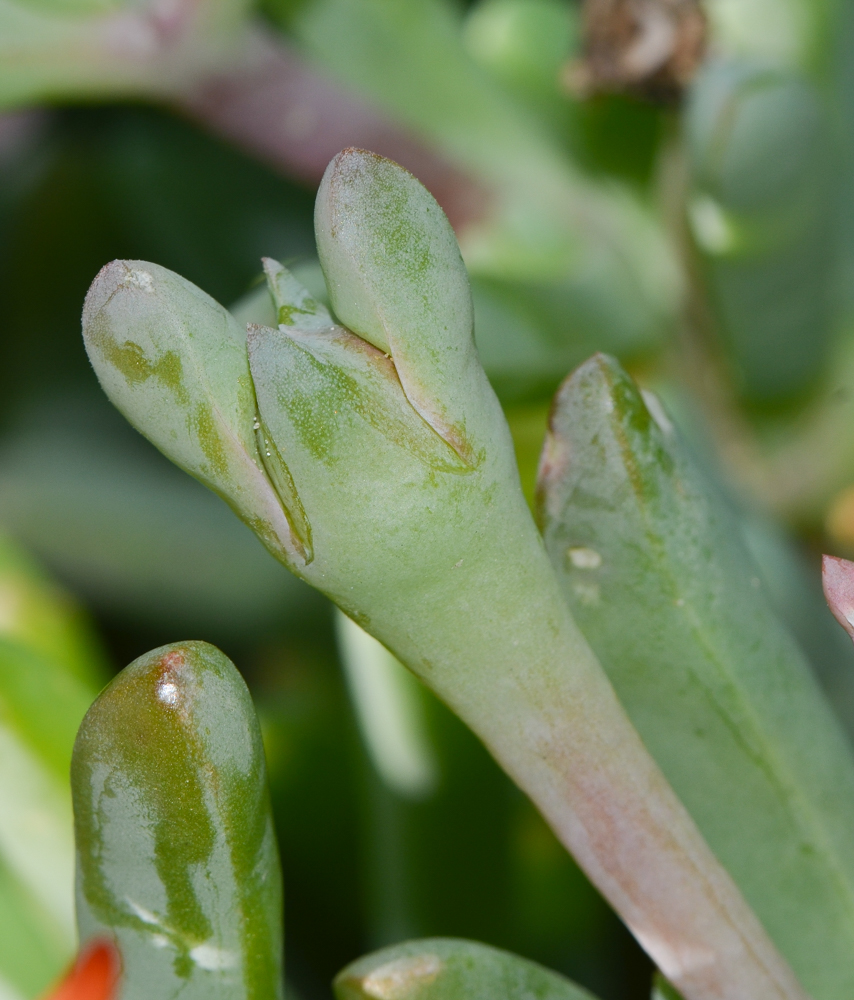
x=838 y=580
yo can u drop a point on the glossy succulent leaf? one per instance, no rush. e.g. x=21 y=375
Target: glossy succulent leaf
x=651 y=562
x=448 y=969
x=176 y=853
x=41 y=705
x=764 y=219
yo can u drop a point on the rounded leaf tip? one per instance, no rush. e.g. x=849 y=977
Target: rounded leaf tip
x=129 y=274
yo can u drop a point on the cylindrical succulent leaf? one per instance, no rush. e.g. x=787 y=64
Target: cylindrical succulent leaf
x=436 y=555
x=176 y=853
x=449 y=969
x=652 y=564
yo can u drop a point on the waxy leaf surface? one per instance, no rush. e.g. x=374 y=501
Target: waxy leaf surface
x=652 y=565
x=176 y=853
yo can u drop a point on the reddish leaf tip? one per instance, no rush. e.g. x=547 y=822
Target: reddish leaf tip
x=838 y=580
x=94 y=975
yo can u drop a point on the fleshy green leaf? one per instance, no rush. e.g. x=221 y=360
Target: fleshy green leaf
x=396 y=279
x=174 y=362
x=447 y=969
x=652 y=565
x=176 y=853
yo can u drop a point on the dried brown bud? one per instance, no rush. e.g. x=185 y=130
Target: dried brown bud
x=650 y=48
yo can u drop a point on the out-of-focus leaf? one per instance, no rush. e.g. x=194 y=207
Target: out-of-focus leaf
x=386 y=699
x=804 y=467
x=793 y=586
x=762 y=212
x=652 y=565
x=447 y=969
x=796 y=35
x=37 y=614
x=524 y=45
x=81 y=48
x=41 y=705
x=176 y=853
x=523 y=42
x=159 y=177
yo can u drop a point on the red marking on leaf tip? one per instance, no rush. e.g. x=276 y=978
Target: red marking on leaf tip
x=173 y=660
x=837 y=576
x=94 y=975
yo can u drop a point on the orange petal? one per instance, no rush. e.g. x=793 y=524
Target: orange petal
x=838 y=579
x=94 y=975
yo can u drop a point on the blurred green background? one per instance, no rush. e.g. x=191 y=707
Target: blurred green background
x=702 y=230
